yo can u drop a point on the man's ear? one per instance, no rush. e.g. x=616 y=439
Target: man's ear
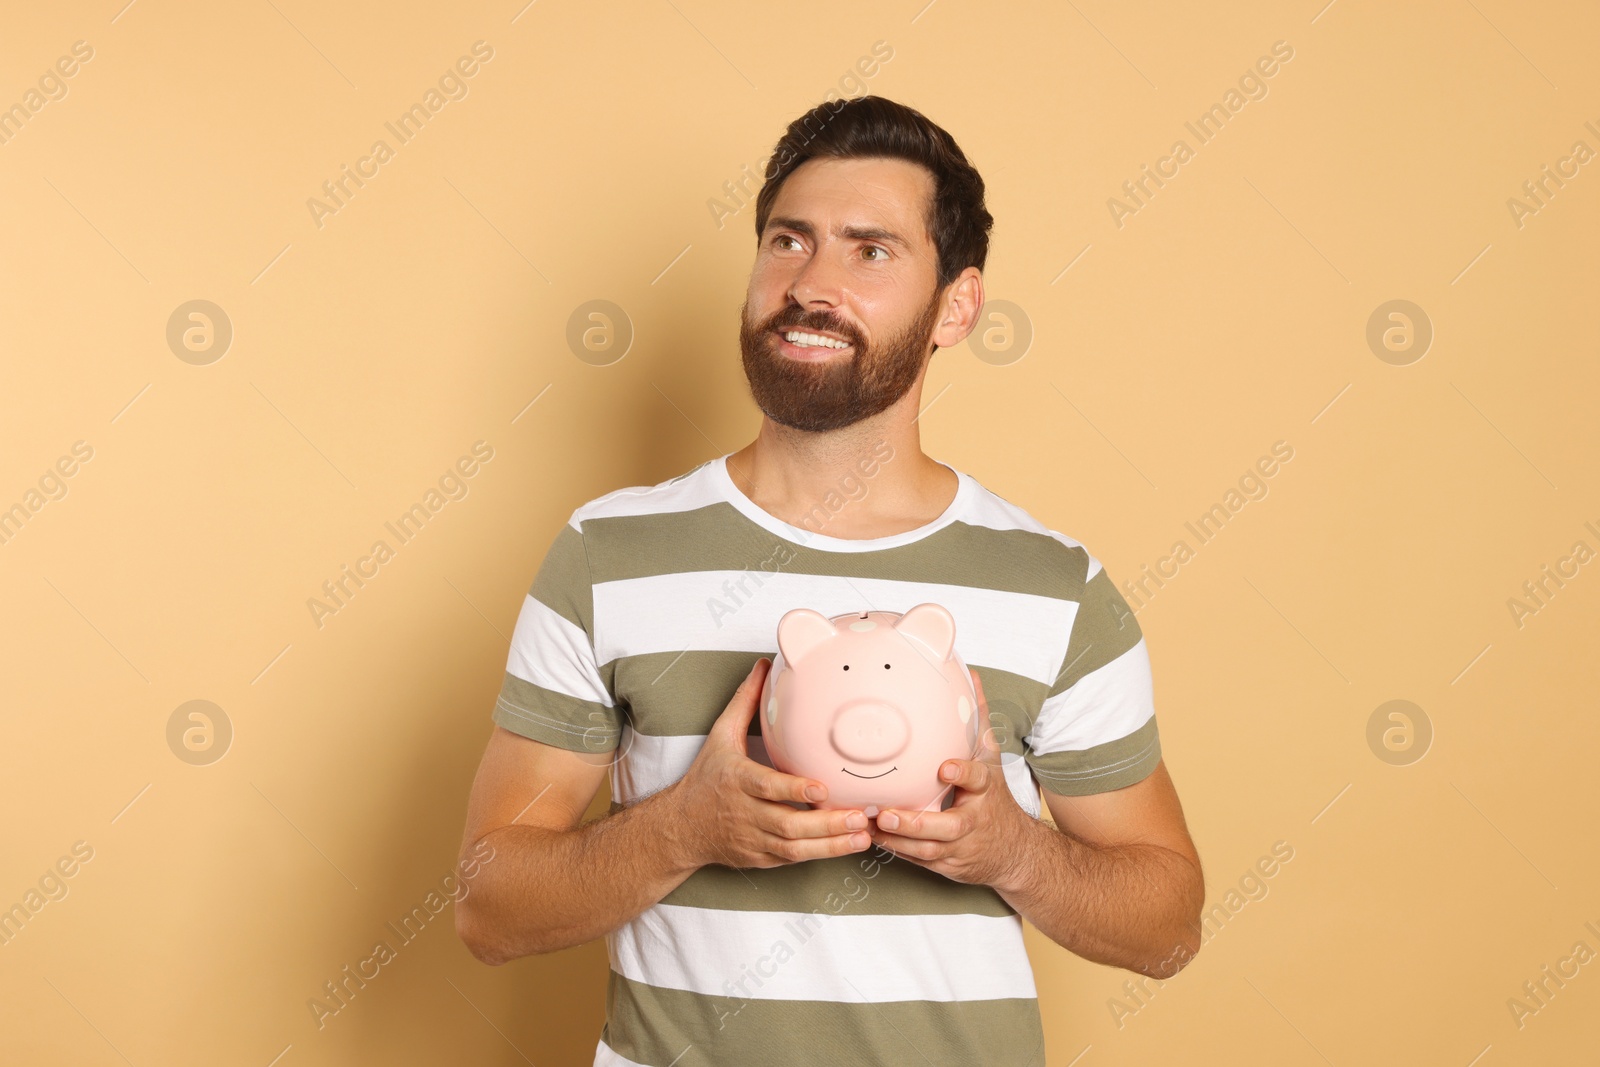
x=961 y=303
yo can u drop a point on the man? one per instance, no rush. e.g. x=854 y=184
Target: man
x=743 y=926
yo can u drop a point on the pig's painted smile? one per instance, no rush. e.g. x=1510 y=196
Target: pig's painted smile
x=848 y=771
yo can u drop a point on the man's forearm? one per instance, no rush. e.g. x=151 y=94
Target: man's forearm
x=1132 y=906
x=551 y=889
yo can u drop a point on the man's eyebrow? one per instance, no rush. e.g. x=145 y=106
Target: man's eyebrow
x=857 y=233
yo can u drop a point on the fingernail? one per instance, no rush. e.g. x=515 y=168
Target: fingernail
x=860 y=840
x=814 y=792
x=855 y=821
x=888 y=820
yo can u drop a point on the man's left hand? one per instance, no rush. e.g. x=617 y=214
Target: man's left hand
x=978 y=839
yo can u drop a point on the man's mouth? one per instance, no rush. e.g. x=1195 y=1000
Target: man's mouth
x=848 y=771
x=807 y=345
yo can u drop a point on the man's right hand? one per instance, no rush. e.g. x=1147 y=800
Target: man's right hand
x=733 y=809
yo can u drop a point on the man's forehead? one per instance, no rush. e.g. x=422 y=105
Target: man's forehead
x=835 y=195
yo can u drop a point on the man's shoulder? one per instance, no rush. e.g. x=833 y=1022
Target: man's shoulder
x=988 y=511
x=682 y=492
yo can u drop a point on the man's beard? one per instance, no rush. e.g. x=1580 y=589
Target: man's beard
x=835 y=391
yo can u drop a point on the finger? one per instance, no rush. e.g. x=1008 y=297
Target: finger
x=780 y=821
x=988 y=745
x=792 y=850
x=771 y=784
x=988 y=735
x=990 y=739
x=783 y=821
x=735 y=719
x=909 y=847
x=921 y=825
x=977 y=688
x=813 y=824
x=974 y=775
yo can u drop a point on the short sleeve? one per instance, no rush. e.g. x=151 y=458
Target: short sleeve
x=553 y=691
x=1096 y=729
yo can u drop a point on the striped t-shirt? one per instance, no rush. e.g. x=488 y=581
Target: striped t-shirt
x=652 y=605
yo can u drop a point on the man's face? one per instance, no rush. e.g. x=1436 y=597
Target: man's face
x=845 y=255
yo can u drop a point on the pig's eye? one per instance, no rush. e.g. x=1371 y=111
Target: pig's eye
x=885 y=666
x=847 y=666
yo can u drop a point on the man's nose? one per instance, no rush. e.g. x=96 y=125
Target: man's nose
x=820 y=283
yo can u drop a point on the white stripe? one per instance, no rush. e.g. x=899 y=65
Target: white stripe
x=994 y=512
x=1094 y=569
x=685 y=492
x=717 y=474
x=808 y=955
x=1019 y=776
x=548 y=650
x=606 y=1056
x=648 y=764
x=1107 y=703
x=708 y=611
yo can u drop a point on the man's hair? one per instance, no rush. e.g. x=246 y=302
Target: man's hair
x=875 y=127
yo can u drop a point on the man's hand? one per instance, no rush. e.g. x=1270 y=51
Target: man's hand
x=979 y=837
x=734 y=811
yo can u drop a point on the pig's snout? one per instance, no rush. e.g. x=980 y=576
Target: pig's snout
x=870 y=731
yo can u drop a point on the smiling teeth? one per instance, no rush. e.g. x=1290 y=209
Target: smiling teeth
x=811 y=340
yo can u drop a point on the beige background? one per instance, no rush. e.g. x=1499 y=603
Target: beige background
x=1227 y=314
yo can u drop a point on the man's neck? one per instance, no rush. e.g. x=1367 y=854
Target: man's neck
x=866 y=481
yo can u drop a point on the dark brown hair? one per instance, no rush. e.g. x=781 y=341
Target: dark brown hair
x=872 y=126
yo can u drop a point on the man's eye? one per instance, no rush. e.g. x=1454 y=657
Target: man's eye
x=778 y=240
x=877 y=248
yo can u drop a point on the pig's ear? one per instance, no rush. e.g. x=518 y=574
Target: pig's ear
x=932 y=625
x=800 y=630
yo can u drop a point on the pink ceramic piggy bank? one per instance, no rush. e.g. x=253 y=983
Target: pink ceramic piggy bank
x=870 y=704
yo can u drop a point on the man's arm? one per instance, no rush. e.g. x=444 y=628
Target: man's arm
x=552 y=884
x=1117 y=881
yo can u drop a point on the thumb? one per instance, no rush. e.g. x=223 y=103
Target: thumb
x=988 y=740
x=990 y=752
x=737 y=716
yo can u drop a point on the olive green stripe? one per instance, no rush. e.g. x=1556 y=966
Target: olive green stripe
x=1112 y=765
x=873 y=882
x=686 y=692
x=556 y=718
x=653 y=1024
x=563 y=584
x=1014 y=702
x=1103 y=630
x=718 y=537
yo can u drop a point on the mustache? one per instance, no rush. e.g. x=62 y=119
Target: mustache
x=814 y=322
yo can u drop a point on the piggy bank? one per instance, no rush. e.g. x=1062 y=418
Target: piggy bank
x=870 y=704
